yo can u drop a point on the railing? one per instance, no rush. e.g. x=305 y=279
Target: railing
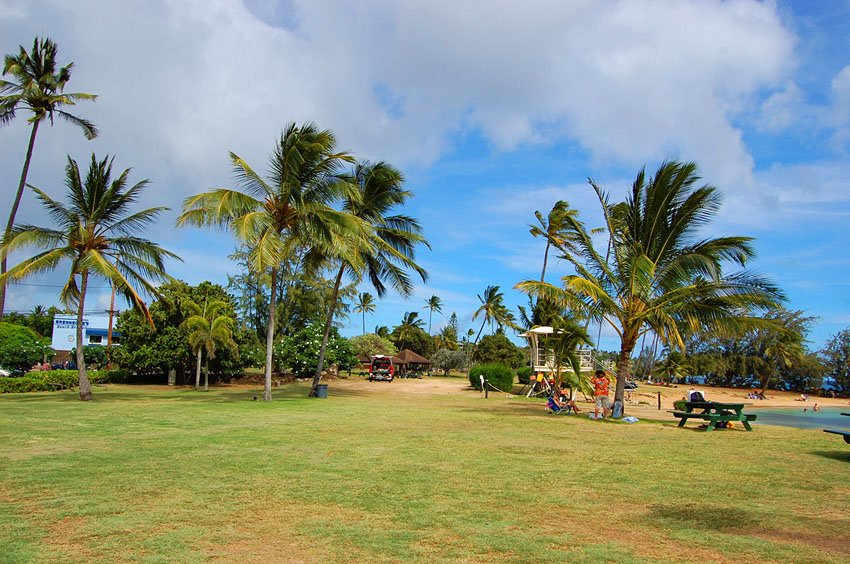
x=544 y=361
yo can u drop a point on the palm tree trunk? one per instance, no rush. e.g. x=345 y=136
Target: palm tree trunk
x=267 y=392
x=601 y=318
x=207 y=373
x=14 y=211
x=627 y=345
x=198 y=370
x=364 y=322
x=317 y=377
x=85 y=385
x=472 y=347
x=545 y=261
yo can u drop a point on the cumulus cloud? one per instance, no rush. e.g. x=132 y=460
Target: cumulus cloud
x=182 y=82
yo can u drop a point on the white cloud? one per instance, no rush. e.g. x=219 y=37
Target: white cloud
x=839 y=115
x=180 y=83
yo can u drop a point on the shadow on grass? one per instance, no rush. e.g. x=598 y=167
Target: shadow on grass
x=148 y=393
x=839 y=455
x=703 y=516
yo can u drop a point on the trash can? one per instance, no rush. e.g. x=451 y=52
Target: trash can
x=322 y=391
x=617 y=412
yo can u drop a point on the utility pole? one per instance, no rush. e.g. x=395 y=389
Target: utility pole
x=109 y=330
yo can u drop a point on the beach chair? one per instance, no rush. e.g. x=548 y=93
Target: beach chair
x=553 y=407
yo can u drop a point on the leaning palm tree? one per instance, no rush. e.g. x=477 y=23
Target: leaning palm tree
x=660 y=276
x=433 y=304
x=365 y=304
x=209 y=327
x=386 y=251
x=492 y=308
x=95 y=233
x=293 y=209
x=39 y=87
x=552 y=228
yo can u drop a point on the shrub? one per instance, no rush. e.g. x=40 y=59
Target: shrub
x=93 y=355
x=300 y=351
x=498 y=376
x=52 y=380
x=679 y=405
x=20 y=347
x=523 y=374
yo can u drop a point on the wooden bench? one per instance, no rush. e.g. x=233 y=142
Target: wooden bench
x=715 y=413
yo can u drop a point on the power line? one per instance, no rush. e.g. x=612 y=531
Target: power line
x=55 y=285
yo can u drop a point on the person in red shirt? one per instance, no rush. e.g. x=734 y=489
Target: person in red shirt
x=601 y=384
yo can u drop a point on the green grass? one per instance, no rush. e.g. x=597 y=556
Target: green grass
x=146 y=474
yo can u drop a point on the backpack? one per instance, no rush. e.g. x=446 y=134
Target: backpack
x=696 y=396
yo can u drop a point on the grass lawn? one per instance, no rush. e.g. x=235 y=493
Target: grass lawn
x=416 y=470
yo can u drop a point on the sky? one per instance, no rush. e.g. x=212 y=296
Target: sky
x=492 y=109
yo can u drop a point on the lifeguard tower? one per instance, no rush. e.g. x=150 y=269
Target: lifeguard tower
x=543 y=360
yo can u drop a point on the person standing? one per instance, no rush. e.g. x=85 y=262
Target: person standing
x=601 y=383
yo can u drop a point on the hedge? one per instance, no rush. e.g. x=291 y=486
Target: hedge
x=498 y=376
x=52 y=380
x=523 y=374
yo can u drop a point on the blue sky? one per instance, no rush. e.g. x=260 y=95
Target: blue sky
x=492 y=109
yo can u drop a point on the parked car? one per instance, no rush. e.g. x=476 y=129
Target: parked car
x=630 y=385
x=4 y=372
x=382 y=368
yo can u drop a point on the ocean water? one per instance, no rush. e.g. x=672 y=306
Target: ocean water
x=826 y=418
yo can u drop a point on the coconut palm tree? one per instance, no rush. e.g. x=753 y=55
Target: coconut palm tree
x=433 y=304
x=552 y=228
x=209 y=327
x=39 y=87
x=289 y=211
x=95 y=233
x=385 y=252
x=409 y=324
x=492 y=308
x=778 y=346
x=365 y=304
x=660 y=275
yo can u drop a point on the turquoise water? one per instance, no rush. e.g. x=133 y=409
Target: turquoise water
x=826 y=418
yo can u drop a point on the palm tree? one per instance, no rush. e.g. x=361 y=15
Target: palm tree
x=567 y=336
x=365 y=304
x=492 y=308
x=552 y=228
x=95 y=233
x=39 y=88
x=446 y=338
x=386 y=251
x=409 y=324
x=382 y=331
x=660 y=276
x=433 y=304
x=208 y=328
x=779 y=345
x=291 y=210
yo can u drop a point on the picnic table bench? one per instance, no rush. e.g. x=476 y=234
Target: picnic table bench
x=715 y=413
x=845 y=434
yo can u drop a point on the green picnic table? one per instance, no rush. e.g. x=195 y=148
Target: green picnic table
x=715 y=414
